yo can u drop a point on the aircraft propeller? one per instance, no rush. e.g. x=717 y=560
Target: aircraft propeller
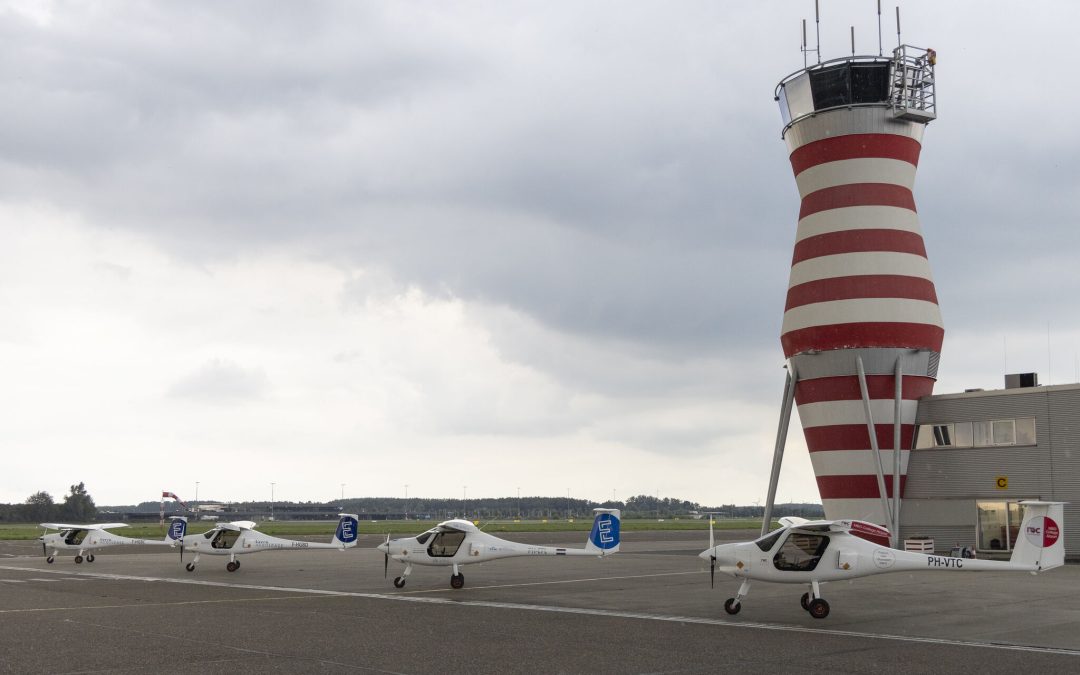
x=44 y=551
x=386 y=556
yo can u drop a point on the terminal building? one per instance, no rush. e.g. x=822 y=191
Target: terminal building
x=979 y=453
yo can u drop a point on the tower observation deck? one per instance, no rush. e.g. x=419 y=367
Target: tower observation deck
x=862 y=331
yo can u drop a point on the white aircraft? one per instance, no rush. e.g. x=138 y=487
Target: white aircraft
x=233 y=539
x=454 y=543
x=85 y=539
x=814 y=552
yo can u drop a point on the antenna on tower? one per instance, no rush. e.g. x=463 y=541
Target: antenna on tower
x=898 y=26
x=853 y=40
x=817 y=22
x=879 y=52
x=804 y=43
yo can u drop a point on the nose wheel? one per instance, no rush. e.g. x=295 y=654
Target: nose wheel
x=190 y=567
x=50 y=560
x=399 y=582
x=733 y=605
x=457 y=581
x=233 y=565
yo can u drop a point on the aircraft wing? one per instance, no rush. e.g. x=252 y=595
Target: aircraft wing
x=791 y=521
x=237 y=525
x=68 y=526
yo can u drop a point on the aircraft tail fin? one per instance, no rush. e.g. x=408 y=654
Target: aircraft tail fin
x=348 y=530
x=604 y=537
x=1041 y=540
x=177 y=529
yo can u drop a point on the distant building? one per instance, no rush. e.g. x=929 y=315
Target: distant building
x=978 y=453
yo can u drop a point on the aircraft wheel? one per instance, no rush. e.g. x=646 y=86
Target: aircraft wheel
x=732 y=606
x=819 y=609
x=90 y=558
x=190 y=567
x=805 y=601
x=50 y=560
x=457 y=580
x=232 y=566
x=399 y=582
x=78 y=560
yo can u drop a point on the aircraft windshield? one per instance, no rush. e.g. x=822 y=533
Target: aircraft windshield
x=422 y=539
x=446 y=544
x=75 y=537
x=766 y=543
x=801 y=552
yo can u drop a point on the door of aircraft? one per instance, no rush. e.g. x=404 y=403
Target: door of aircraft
x=445 y=544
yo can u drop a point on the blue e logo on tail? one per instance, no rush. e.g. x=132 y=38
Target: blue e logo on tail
x=347 y=530
x=177 y=530
x=605 y=532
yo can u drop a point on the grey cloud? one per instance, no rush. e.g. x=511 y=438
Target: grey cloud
x=614 y=175
x=221 y=381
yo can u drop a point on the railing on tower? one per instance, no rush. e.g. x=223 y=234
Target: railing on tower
x=912 y=84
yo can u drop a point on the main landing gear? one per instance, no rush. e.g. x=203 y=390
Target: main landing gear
x=813 y=602
x=457 y=579
x=233 y=564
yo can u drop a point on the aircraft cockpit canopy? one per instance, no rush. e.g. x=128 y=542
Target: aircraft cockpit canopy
x=445 y=544
x=223 y=538
x=73 y=537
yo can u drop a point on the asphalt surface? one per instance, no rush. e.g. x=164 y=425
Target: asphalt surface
x=648 y=609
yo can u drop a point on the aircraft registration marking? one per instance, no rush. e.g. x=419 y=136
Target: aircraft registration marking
x=942 y=561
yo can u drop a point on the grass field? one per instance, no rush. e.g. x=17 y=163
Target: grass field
x=292 y=528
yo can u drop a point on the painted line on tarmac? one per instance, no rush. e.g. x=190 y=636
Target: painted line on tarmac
x=554 y=609
x=548 y=583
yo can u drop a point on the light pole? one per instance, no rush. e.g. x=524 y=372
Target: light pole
x=272 y=501
x=343 y=492
x=519 y=503
x=196 y=500
x=464 y=509
x=406 y=501
x=568 y=503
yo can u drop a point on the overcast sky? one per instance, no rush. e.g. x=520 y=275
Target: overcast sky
x=501 y=245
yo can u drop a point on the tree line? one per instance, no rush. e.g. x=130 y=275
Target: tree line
x=78 y=506
x=40 y=507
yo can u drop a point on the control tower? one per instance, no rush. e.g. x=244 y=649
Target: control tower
x=862 y=331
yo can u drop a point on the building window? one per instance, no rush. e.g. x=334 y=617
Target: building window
x=1019 y=431
x=1025 y=431
x=1004 y=432
x=998 y=525
x=943 y=435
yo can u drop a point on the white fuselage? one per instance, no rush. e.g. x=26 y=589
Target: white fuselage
x=222 y=542
x=845 y=557
x=475 y=547
x=94 y=540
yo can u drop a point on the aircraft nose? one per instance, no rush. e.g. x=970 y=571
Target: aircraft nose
x=724 y=554
x=384 y=547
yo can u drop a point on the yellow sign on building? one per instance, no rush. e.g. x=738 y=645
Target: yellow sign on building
x=1002 y=482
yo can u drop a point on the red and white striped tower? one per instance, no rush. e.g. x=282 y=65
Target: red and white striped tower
x=860 y=297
